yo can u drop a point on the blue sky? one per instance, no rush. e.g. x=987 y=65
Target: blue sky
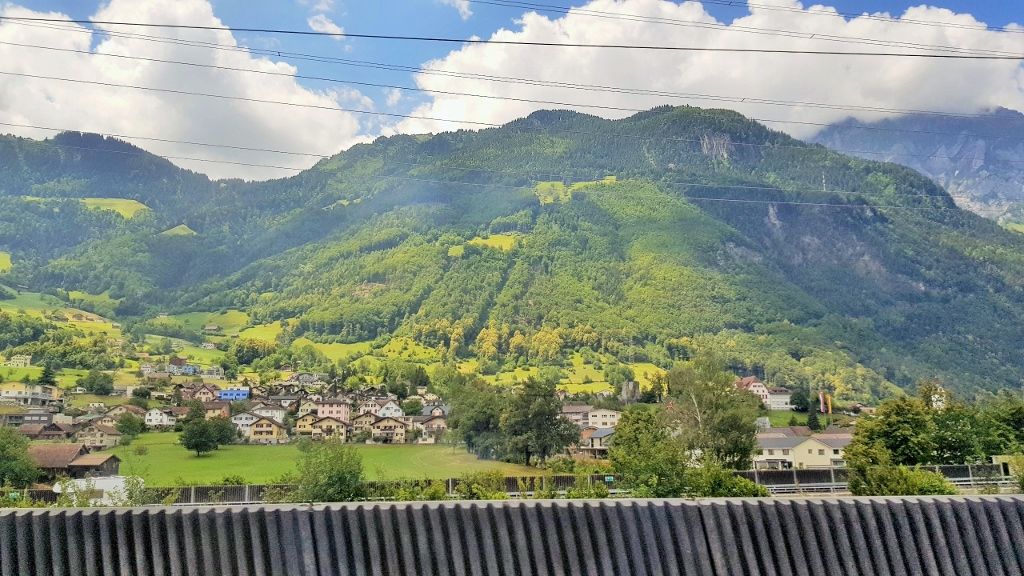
x=890 y=84
x=434 y=18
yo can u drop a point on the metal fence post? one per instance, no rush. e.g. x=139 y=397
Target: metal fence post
x=192 y=495
x=245 y=497
x=970 y=475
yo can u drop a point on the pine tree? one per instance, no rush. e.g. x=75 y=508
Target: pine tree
x=813 y=422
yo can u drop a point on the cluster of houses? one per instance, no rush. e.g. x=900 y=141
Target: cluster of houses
x=94 y=431
x=278 y=413
x=597 y=425
x=177 y=366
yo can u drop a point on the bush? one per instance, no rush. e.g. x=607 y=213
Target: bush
x=481 y=486
x=330 y=472
x=711 y=480
x=583 y=488
x=902 y=481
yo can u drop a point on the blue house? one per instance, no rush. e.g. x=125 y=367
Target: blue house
x=233 y=394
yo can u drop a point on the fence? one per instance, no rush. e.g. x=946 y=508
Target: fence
x=794 y=481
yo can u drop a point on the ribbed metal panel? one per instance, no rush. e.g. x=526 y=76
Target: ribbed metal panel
x=970 y=536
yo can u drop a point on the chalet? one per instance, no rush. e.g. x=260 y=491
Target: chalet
x=160 y=376
x=267 y=431
x=132 y=409
x=158 y=418
x=754 y=385
x=270 y=411
x=285 y=400
x=204 y=393
x=304 y=423
x=49 y=431
x=72 y=460
x=98 y=437
x=334 y=408
x=363 y=423
x=390 y=409
x=307 y=406
x=436 y=410
x=212 y=329
x=243 y=422
x=217 y=409
x=330 y=428
x=388 y=430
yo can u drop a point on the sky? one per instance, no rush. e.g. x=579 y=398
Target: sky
x=332 y=92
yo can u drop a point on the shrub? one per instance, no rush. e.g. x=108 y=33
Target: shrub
x=711 y=480
x=481 y=486
x=330 y=472
x=902 y=481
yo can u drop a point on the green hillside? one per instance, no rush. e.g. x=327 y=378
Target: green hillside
x=673 y=232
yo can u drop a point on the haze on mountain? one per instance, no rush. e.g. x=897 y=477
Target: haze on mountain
x=978 y=159
x=666 y=234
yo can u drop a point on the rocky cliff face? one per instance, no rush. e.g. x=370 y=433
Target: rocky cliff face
x=979 y=160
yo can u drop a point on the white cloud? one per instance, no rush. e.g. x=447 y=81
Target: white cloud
x=318 y=5
x=177 y=117
x=392 y=96
x=904 y=83
x=461 y=5
x=321 y=23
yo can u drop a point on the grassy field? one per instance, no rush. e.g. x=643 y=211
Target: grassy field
x=408 y=349
x=128 y=209
x=166 y=462
x=265 y=332
x=5 y=261
x=179 y=230
x=335 y=351
x=231 y=321
x=503 y=242
x=32 y=303
x=782 y=417
x=83 y=400
x=1015 y=226
x=103 y=299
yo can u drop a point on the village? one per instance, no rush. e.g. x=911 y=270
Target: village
x=309 y=407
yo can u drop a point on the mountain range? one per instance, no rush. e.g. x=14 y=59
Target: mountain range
x=674 y=232
x=978 y=159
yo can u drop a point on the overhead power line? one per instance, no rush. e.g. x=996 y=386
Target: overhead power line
x=737 y=99
x=530 y=175
x=535 y=82
x=474 y=123
x=628 y=17
x=827 y=12
x=441 y=39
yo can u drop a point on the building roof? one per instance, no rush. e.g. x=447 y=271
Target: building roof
x=944 y=536
x=779 y=391
x=772 y=442
x=93 y=459
x=834 y=440
x=602 y=432
x=108 y=430
x=576 y=408
x=55 y=455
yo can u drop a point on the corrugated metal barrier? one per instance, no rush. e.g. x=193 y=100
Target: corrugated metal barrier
x=954 y=536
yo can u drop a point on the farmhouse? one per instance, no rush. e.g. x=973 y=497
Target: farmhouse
x=217 y=409
x=304 y=423
x=19 y=361
x=754 y=385
x=267 y=431
x=330 y=428
x=270 y=411
x=363 y=423
x=243 y=422
x=388 y=430
x=98 y=437
x=72 y=460
x=49 y=431
x=157 y=418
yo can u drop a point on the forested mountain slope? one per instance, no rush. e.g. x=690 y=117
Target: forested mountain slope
x=979 y=160
x=655 y=237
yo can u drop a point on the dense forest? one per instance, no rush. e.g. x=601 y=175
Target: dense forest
x=654 y=238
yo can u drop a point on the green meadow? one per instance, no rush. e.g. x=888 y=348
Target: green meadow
x=128 y=209
x=5 y=261
x=166 y=463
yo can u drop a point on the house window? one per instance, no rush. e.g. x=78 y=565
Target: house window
x=771 y=452
x=821 y=452
x=809 y=451
x=785 y=452
x=835 y=451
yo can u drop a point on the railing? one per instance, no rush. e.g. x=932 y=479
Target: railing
x=778 y=482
